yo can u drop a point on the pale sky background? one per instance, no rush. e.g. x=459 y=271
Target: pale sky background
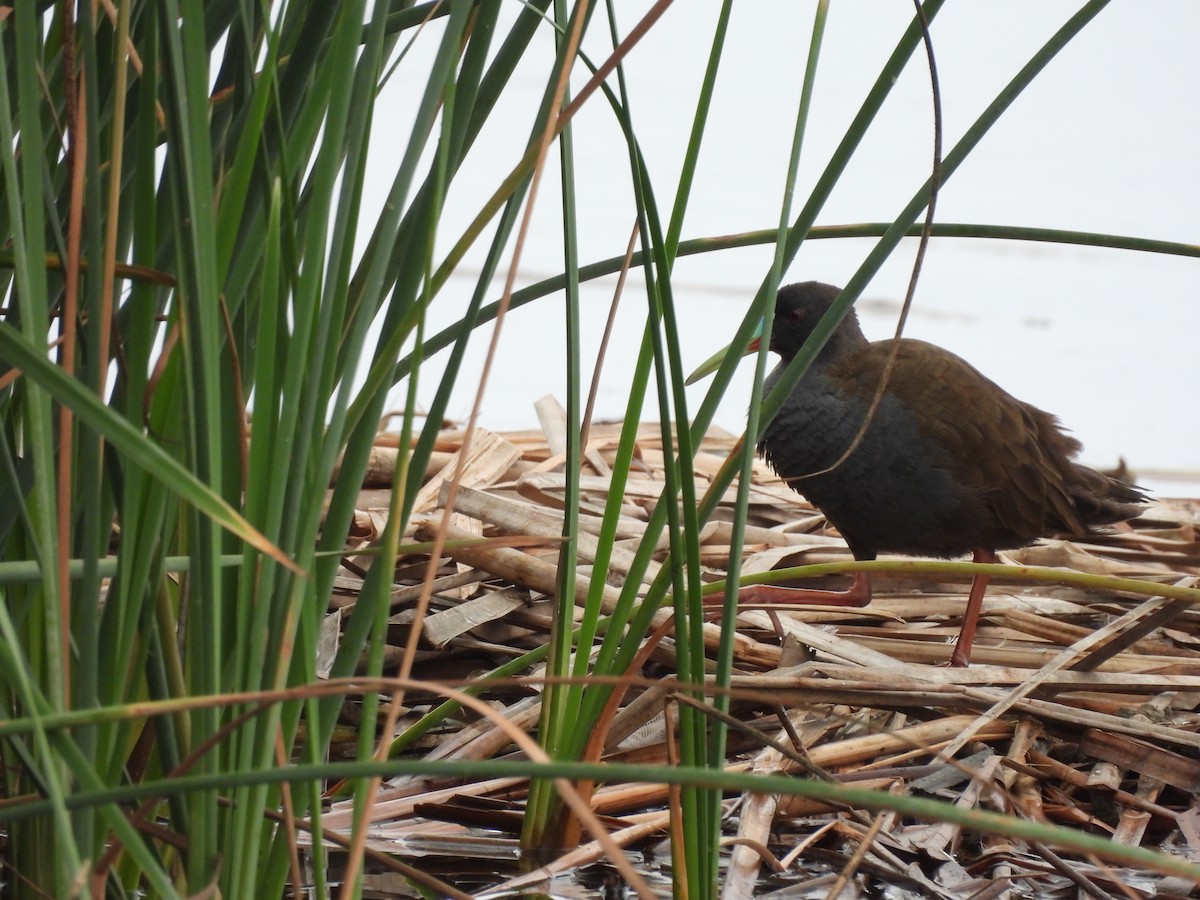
x=1107 y=140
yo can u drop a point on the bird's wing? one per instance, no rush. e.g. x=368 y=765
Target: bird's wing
x=1015 y=457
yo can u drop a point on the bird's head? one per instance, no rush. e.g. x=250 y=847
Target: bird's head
x=798 y=309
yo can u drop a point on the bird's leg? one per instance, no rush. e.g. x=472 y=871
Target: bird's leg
x=858 y=594
x=961 y=657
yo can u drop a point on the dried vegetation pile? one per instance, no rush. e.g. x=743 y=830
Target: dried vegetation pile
x=1080 y=708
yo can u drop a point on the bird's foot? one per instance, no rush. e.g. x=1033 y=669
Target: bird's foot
x=956 y=661
x=858 y=594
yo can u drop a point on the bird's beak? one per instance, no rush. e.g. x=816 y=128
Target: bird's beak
x=714 y=362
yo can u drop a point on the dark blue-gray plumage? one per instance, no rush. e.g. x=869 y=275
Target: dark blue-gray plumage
x=950 y=463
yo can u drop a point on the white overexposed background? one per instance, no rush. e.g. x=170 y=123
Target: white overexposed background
x=1107 y=139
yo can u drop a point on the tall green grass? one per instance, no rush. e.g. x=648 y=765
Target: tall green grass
x=200 y=323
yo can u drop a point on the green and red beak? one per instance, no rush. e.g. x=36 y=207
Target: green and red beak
x=714 y=362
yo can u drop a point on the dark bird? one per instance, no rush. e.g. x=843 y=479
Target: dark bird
x=949 y=464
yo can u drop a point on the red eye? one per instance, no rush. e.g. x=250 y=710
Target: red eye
x=796 y=315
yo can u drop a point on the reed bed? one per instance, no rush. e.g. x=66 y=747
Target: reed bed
x=1080 y=708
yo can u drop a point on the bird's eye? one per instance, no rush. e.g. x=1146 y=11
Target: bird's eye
x=796 y=315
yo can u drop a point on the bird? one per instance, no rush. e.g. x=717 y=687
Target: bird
x=948 y=464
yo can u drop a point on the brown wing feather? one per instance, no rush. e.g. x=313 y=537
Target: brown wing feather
x=1015 y=457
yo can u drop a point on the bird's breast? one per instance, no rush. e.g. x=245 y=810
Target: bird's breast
x=895 y=491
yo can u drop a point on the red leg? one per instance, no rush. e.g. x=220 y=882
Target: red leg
x=858 y=594
x=961 y=657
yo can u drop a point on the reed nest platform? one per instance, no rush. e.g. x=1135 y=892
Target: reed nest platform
x=1081 y=707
